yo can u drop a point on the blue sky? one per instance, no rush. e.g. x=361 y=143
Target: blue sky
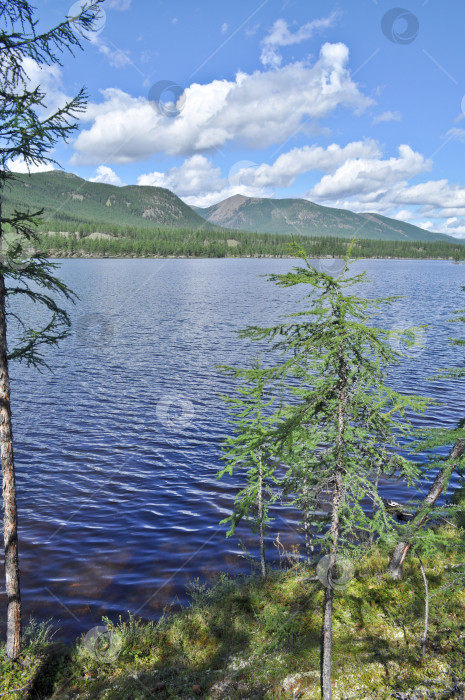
x=356 y=104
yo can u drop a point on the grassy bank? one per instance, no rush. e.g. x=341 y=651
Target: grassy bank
x=248 y=638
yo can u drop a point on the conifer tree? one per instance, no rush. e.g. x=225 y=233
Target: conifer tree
x=248 y=450
x=29 y=135
x=343 y=417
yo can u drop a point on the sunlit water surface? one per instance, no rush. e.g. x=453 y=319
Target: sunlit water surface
x=117 y=450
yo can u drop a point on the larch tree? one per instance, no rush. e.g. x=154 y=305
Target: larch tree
x=343 y=418
x=249 y=450
x=27 y=134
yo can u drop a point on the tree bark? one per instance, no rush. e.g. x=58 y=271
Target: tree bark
x=436 y=488
x=260 y=515
x=327 y=654
x=425 y=632
x=10 y=523
x=308 y=540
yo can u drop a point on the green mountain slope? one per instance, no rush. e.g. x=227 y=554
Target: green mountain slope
x=69 y=201
x=68 y=198
x=299 y=216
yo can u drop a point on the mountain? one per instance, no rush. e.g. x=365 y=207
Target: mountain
x=68 y=198
x=299 y=216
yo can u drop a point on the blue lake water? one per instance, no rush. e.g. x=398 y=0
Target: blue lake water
x=118 y=448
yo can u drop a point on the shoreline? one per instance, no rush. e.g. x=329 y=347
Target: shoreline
x=246 y=637
x=239 y=257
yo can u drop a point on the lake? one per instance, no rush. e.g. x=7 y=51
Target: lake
x=118 y=448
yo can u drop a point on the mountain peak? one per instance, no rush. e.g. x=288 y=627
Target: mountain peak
x=302 y=217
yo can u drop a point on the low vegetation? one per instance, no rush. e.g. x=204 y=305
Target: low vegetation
x=254 y=638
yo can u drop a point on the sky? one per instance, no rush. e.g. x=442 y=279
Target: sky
x=356 y=104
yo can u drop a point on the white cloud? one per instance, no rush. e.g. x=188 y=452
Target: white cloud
x=107 y=176
x=257 y=110
x=224 y=27
x=404 y=215
x=195 y=175
x=19 y=166
x=120 y=5
x=50 y=80
x=116 y=57
x=436 y=193
x=453 y=227
x=370 y=178
x=289 y=166
x=198 y=182
x=280 y=35
x=388 y=117
x=360 y=179
x=382 y=186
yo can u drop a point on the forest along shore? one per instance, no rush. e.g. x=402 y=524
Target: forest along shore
x=186 y=243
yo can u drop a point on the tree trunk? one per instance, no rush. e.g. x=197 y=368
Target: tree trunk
x=260 y=515
x=308 y=539
x=327 y=657
x=327 y=651
x=436 y=488
x=327 y=636
x=10 y=523
x=373 y=510
x=425 y=632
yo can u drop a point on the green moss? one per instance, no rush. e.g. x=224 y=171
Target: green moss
x=248 y=638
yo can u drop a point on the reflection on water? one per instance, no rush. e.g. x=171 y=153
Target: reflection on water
x=118 y=449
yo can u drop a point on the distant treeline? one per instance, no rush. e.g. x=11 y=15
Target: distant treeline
x=140 y=242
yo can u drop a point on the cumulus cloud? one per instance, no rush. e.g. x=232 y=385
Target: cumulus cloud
x=19 y=166
x=107 y=176
x=382 y=186
x=196 y=174
x=256 y=110
x=289 y=166
x=281 y=35
x=362 y=177
x=199 y=183
x=50 y=80
x=404 y=215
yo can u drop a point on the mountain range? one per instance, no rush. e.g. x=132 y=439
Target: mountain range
x=71 y=200
x=299 y=216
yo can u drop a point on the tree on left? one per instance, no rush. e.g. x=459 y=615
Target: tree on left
x=28 y=133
